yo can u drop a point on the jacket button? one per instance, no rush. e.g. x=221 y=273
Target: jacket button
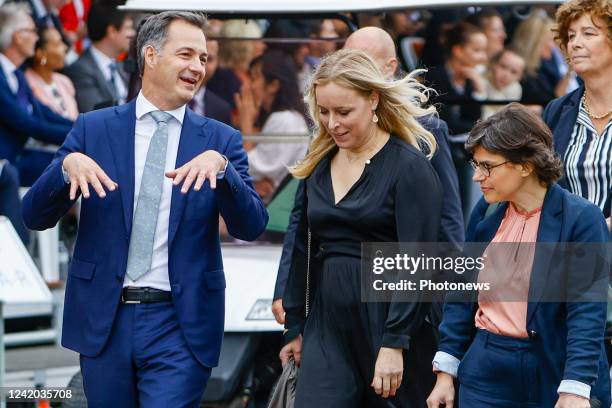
x=533 y=334
x=235 y=188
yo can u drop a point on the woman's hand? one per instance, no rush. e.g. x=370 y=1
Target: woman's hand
x=443 y=394
x=388 y=371
x=478 y=81
x=572 y=401
x=247 y=109
x=292 y=349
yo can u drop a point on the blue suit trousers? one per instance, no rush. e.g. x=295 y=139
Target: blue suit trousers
x=503 y=372
x=145 y=363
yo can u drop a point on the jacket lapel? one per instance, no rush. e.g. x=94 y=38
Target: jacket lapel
x=194 y=140
x=487 y=228
x=549 y=231
x=566 y=121
x=121 y=133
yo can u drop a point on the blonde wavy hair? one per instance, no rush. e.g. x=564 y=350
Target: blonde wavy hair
x=399 y=104
x=238 y=53
x=529 y=37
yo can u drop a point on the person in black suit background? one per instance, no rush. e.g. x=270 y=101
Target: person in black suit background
x=206 y=102
x=99 y=79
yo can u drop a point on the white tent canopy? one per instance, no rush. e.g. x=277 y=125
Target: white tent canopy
x=240 y=7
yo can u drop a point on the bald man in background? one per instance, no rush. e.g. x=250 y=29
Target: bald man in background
x=378 y=44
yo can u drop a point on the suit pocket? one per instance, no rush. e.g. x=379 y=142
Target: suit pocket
x=214 y=280
x=82 y=270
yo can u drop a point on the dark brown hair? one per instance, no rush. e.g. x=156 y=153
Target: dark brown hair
x=520 y=136
x=459 y=33
x=567 y=13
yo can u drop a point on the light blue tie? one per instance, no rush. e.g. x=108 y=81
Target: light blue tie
x=147 y=207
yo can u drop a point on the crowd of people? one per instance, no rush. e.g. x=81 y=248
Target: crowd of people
x=77 y=58
x=379 y=168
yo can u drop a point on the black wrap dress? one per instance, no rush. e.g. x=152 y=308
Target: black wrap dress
x=397 y=198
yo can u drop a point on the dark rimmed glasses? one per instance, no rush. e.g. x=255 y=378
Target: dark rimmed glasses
x=485 y=168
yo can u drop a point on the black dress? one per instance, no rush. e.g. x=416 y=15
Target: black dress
x=397 y=198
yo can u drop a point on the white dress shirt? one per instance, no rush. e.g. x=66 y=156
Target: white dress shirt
x=9 y=72
x=103 y=61
x=157 y=276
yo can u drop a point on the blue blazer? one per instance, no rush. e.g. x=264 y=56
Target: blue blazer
x=560 y=115
x=17 y=125
x=567 y=337
x=96 y=275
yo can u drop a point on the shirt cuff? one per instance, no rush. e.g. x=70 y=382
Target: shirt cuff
x=575 y=387
x=444 y=362
x=221 y=174
x=65 y=175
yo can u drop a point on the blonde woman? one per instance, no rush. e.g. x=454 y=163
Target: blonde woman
x=239 y=43
x=366 y=180
x=534 y=41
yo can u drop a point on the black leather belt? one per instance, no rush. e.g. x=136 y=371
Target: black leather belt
x=144 y=295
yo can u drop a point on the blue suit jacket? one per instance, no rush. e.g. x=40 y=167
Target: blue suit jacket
x=197 y=280
x=567 y=337
x=17 y=125
x=560 y=115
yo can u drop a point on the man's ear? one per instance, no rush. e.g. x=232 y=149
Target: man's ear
x=110 y=31
x=150 y=55
x=392 y=64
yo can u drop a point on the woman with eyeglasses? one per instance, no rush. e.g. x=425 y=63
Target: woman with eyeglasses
x=49 y=86
x=512 y=348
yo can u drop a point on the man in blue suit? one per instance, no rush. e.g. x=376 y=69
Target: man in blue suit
x=22 y=115
x=145 y=293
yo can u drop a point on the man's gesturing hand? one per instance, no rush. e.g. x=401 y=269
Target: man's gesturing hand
x=83 y=171
x=202 y=167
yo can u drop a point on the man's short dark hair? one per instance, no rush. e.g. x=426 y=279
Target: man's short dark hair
x=154 y=30
x=520 y=136
x=101 y=16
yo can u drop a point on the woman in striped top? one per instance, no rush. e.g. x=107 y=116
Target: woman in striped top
x=581 y=121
